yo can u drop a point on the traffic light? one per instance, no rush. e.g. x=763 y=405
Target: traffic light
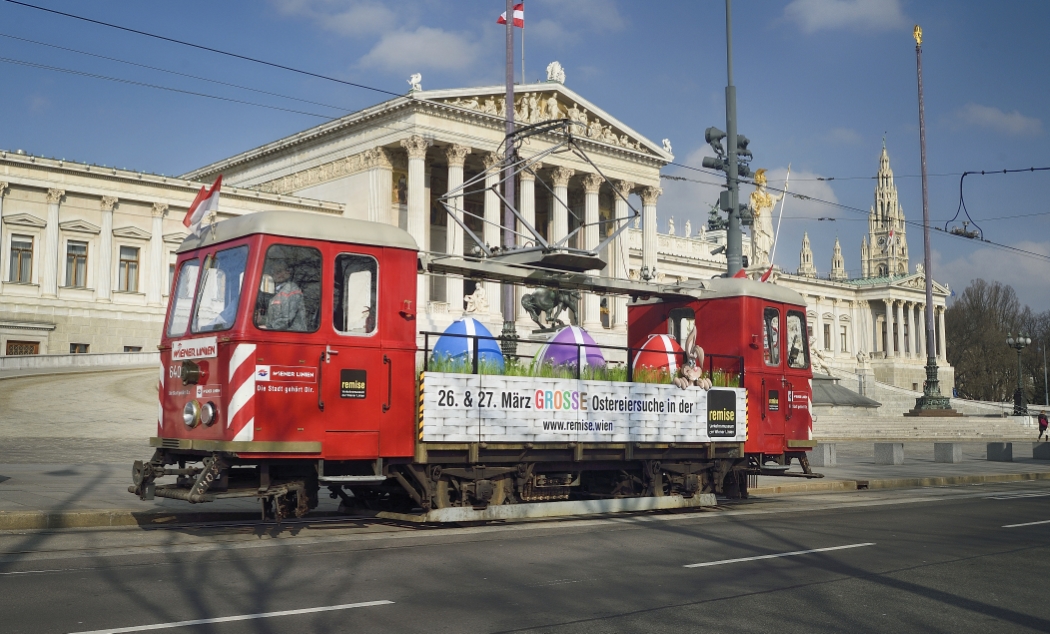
x=714 y=137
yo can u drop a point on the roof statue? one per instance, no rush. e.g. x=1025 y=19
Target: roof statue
x=667 y=146
x=670 y=226
x=555 y=72
x=688 y=228
x=416 y=82
x=761 y=205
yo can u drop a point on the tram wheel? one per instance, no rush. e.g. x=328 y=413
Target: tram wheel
x=447 y=495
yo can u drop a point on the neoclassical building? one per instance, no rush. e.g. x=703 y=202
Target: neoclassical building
x=392 y=163
x=87 y=252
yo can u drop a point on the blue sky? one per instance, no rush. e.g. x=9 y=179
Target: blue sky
x=819 y=83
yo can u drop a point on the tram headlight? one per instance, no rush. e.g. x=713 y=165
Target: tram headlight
x=208 y=414
x=191 y=414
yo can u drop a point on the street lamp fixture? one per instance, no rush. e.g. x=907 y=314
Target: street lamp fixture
x=1019 y=343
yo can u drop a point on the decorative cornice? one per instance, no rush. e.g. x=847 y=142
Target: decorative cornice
x=54 y=196
x=416 y=146
x=131 y=233
x=79 y=226
x=592 y=183
x=561 y=176
x=373 y=157
x=456 y=154
x=650 y=194
x=24 y=220
x=175 y=238
x=108 y=202
x=159 y=210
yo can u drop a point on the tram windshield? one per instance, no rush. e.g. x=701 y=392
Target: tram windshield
x=219 y=292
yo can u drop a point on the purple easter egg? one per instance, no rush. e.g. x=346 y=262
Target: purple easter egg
x=569 y=346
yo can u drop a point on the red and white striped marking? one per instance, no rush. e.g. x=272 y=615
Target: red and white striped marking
x=660 y=351
x=240 y=419
x=160 y=402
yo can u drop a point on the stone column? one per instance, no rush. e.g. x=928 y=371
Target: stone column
x=836 y=340
x=942 y=349
x=380 y=186
x=156 y=280
x=621 y=250
x=527 y=209
x=416 y=147
x=888 y=342
x=49 y=254
x=558 y=226
x=818 y=324
x=491 y=234
x=104 y=274
x=3 y=190
x=649 y=240
x=592 y=317
x=910 y=310
x=899 y=338
x=457 y=155
x=922 y=331
x=854 y=321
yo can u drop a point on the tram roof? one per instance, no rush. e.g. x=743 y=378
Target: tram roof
x=297 y=224
x=736 y=287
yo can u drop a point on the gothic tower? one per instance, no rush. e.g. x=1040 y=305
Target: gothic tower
x=805 y=260
x=864 y=257
x=838 y=264
x=887 y=247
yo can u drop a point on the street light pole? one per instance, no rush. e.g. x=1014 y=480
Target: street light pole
x=931 y=399
x=734 y=242
x=1019 y=344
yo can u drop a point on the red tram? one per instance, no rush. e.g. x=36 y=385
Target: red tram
x=289 y=363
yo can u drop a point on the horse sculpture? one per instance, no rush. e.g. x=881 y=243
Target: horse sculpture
x=550 y=302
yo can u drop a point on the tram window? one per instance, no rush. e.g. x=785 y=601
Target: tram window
x=220 y=290
x=356 y=288
x=289 y=296
x=771 y=336
x=182 y=303
x=798 y=346
x=680 y=323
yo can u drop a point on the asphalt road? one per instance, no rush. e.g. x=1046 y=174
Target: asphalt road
x=938 y=560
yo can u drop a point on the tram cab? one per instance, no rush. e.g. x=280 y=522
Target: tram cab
x=763 y=324
x=291 y=336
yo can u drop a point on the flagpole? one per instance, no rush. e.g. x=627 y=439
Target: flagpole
x=523 y=46
x=510 y=331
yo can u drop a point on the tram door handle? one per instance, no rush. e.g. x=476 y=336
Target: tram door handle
x=389 y=382
x=765 y=399
x=320 y=380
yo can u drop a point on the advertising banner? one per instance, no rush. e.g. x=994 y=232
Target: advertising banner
x=488 y=408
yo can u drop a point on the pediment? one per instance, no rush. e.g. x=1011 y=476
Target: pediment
x=175 y=238
x=917 y=281
x=80 y=226
x=25 y=220
x=536 y=103
x=131 y=233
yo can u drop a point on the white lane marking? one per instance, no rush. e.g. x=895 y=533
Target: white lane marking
x=1014 y=496
x=791 y=554
x=241 y=617
x=1026 y=524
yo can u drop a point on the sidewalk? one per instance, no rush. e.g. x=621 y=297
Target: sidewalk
x=34 y=496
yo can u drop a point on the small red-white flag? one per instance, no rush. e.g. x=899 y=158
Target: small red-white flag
x=765 y=276
x=519 y=16
x=207 y=201
x=741 y=274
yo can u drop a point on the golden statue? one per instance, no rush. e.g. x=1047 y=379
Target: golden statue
x=761 y=205
x=918 y=35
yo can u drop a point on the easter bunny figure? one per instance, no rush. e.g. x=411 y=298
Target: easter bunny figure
x=692 y=371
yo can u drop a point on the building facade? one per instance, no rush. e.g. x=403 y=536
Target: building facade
x=87 y=251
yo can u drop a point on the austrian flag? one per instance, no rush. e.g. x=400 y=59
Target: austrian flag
x=519 y=16
x=207 y=201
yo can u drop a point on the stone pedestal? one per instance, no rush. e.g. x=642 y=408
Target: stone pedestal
x=1041 y=450
x=1001 y=451
x=889 y=453
x=947 y=452
x=823 y=455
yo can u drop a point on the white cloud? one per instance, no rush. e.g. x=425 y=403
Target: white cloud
x=593 y=15
x=1012 y=123
x=353 y=18
x=1028 y=275
x=38 y=103
x=867 y=15
x=845 y=136
x=423 y=49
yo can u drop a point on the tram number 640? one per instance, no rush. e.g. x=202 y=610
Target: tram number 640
x=447 y=398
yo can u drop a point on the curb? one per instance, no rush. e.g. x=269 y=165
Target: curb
x=88 y=370
x=37 y=520
x=897 y=483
